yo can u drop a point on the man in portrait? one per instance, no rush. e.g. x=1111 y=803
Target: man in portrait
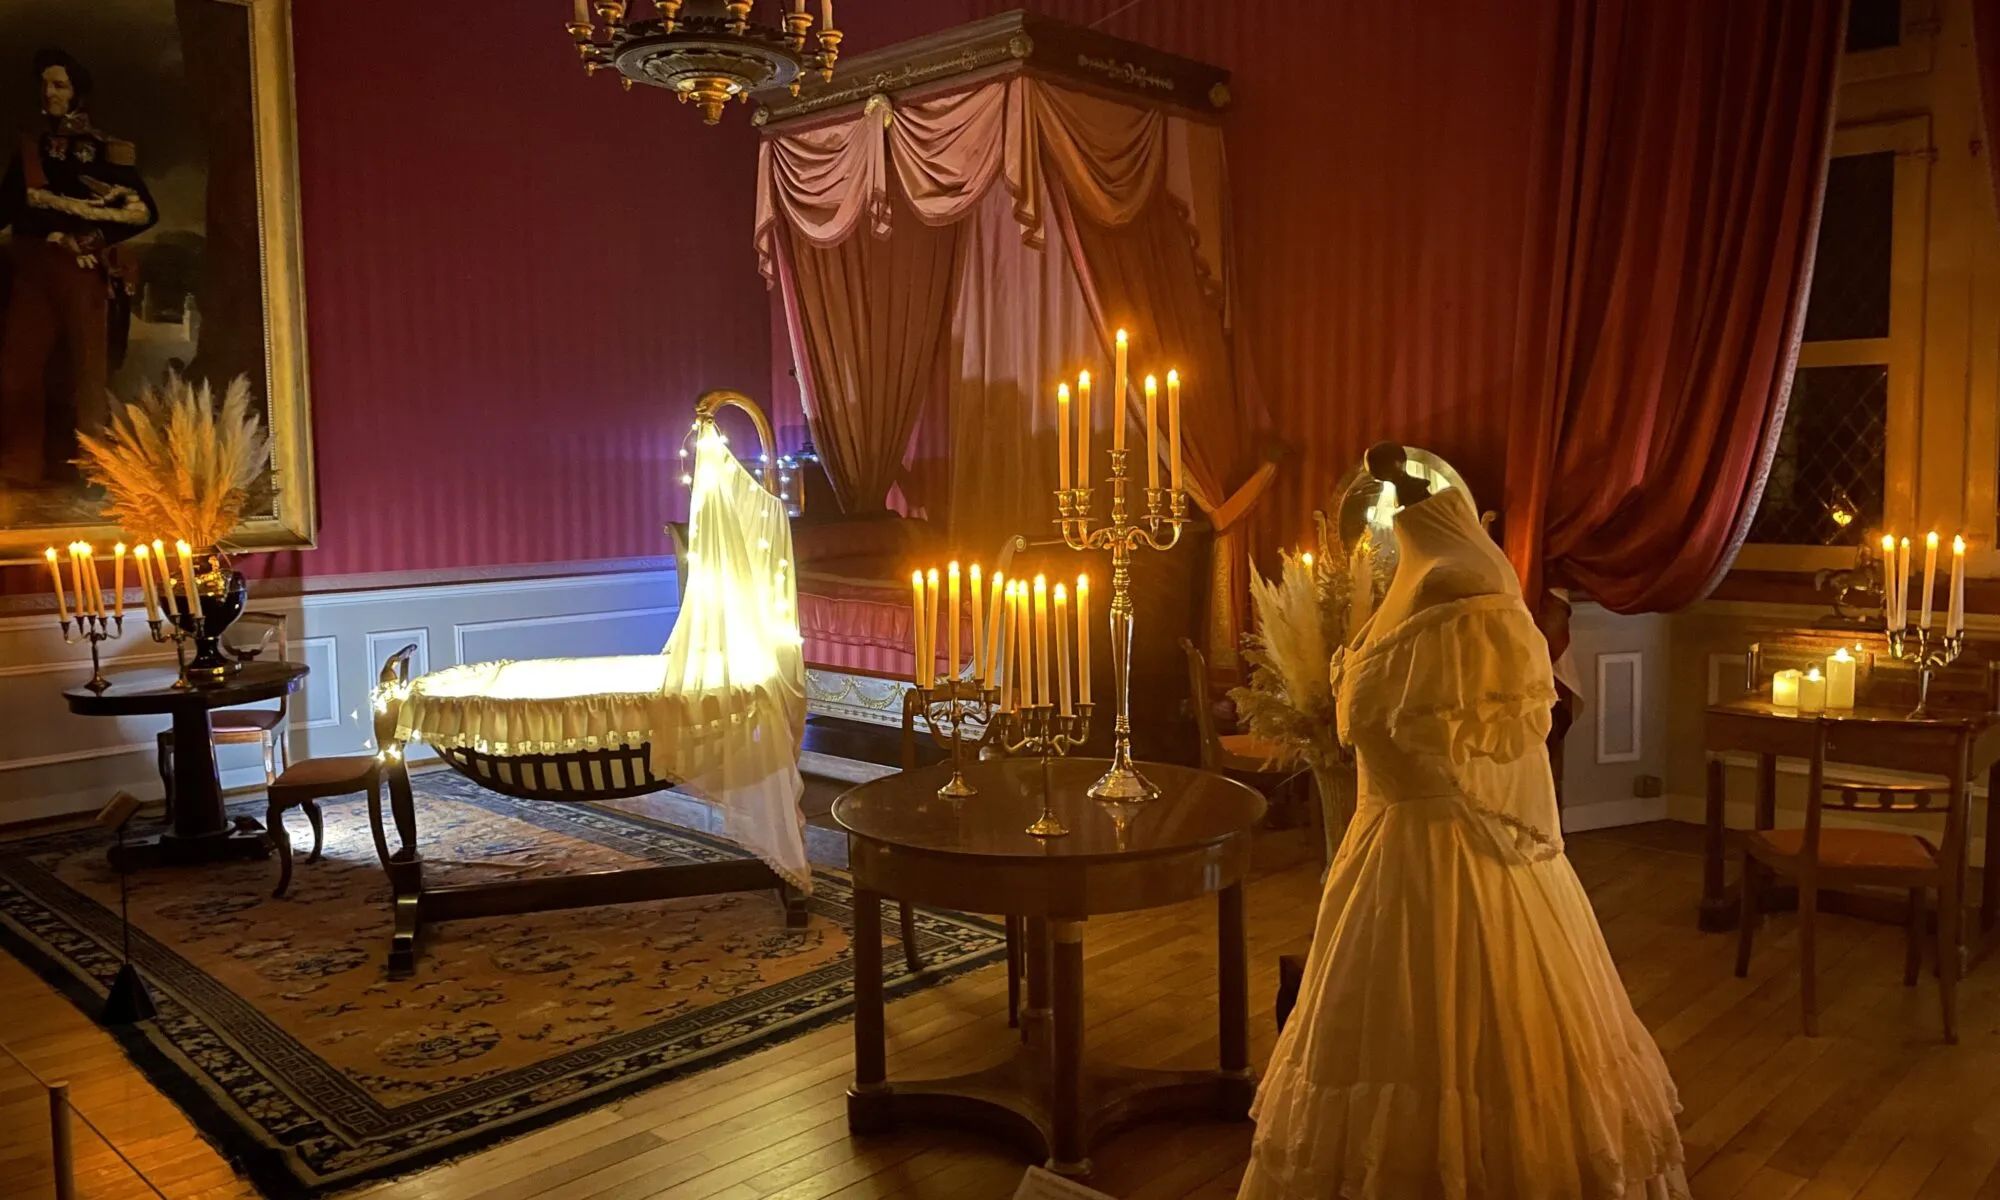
x=70 y=194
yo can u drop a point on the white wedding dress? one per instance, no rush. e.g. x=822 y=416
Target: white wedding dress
x=1461 y=1032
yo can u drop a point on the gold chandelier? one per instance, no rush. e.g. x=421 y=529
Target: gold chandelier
x=708 y=52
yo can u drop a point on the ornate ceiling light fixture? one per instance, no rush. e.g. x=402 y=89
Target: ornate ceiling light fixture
x=706 y=51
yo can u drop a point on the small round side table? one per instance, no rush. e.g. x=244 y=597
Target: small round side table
x=202 y=831
x=974 y=855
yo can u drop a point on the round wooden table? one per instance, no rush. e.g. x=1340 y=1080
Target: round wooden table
x=974 y=856
x=202 y=831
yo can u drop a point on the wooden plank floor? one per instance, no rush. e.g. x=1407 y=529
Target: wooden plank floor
x=1875 y=1109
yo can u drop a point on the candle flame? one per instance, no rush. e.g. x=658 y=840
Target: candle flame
x=1083 y=583
x=1906 y=543
x=179 y=548
x=139 y=551
x=932 y=577
x=1041 y=583
x=1062 y=393
x=1061 y=594
x=1957 y=545
x=1152 y=385
x=1812 y=673
x=1173 y=378
x=51 y=553
x=1842 y=655
x=1121 y=337
x=917 y=577
x=1306 y=558
x=1083 y=379
x=951 y=568
x=1888 y=541
x=1931 y=539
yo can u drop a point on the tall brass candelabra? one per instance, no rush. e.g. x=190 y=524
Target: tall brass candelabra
x=1164 y=507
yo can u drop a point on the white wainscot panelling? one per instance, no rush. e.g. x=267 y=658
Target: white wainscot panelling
x=1621 y=733
x=53 y=762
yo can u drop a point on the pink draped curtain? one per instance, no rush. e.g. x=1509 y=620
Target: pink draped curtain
x=1136 y=198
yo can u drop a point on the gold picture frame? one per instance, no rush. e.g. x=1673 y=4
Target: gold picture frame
x=290 y=520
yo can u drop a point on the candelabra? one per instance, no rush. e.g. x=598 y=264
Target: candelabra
x=1040 y=730
x=1914 y=645
x=95 y=628
x=955 y=703
x=1164 y=507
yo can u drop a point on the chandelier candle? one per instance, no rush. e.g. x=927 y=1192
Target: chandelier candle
x=1158 y=528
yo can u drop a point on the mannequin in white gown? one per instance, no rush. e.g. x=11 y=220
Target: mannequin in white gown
x=1461 y=1033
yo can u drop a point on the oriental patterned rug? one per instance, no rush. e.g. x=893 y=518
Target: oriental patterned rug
x=281 y=1035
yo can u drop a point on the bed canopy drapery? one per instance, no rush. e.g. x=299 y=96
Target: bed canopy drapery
x=964 y=220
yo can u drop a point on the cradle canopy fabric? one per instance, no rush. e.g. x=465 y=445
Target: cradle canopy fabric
x=956 y=299
x=722 y=707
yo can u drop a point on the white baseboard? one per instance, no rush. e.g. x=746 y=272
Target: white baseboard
x=1609 y=814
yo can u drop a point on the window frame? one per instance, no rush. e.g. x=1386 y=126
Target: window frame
x=1902 y=351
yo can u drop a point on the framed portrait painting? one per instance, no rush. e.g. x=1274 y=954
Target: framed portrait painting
x=148 y=227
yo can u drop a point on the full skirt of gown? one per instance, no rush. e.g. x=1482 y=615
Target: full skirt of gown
x=1461 y=1032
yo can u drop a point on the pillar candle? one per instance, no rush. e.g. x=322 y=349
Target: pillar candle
x=1888 y=581
x=978 y=633
x=917 y=628
x=1083 y=429
x=118 y=580
x=142 y=556
x=953 y=615
x=186 y=554
x=1954 y=623
x=930 y=627
x=1083 y=639
x=994 y=636
x=1840 y=679
x=1785 y=689
x=1174 y=428
x=1152 y=432
x=1062 y=650
x=1118 y=395
x=55 y=577
x=1062 y=436
x=1903 y=583
x=1812 y=691
x=1930 y=578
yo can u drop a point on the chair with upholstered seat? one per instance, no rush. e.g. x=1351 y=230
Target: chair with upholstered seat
x=1814 y=857
x=1258 y=761
x=263 y=727
x=304 y=784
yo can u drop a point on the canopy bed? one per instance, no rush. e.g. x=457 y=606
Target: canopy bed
x=953 y=224
x=718 y=713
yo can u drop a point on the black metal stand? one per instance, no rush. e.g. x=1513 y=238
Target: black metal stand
x=128 y=1002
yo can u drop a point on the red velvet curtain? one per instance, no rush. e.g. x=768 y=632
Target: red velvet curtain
x=1680 y=167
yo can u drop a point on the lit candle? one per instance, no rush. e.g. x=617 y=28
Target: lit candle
x=1083 y=639
x=165 y=576
x=978 y=633
x=143 y=556
x=1118 y=396
x=1812 y=691
x=917 y=628
x=953 y=615
x=118 y=580
x=1062 y=650
x=1954 y=622
x=826 y=14
x=1024 y=646
x=1840 y=679
x=1062 y=436
x=1152 y=432
x=1174 y=428
x=1042 y=689
x=1083 y=429
x=186 y=554
x=76 y=579
x=1930 y=578
x=1785 y=689
x=994 y=636
x=55 y=577
x=930 y=626
x=1003 y=630
x=1903 y=583
x=1888 y=581
x=582 y=12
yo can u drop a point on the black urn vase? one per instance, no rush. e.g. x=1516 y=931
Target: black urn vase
x=222 y=592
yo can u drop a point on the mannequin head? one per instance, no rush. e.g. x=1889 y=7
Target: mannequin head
x=1388 y=463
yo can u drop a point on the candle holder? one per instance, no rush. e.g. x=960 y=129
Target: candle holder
x=947 y=708
x=1165 y=507
x=1913 y=645
x=95 y=628
x=1040 y=730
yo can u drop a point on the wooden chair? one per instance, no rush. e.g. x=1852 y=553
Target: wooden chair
x=243 y=726
x=1243 y=756
x=1814 y=857
x=304 y=784
x=1016 y=959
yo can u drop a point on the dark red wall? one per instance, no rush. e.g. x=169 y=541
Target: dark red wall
x=517 y=281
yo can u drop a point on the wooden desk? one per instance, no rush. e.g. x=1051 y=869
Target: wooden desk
x=973 y=855
x=1957 y=746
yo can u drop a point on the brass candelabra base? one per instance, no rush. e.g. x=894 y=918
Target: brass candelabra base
x=1915 y=645
x=947 y=708
x=95 y=629
x=1040 y=730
